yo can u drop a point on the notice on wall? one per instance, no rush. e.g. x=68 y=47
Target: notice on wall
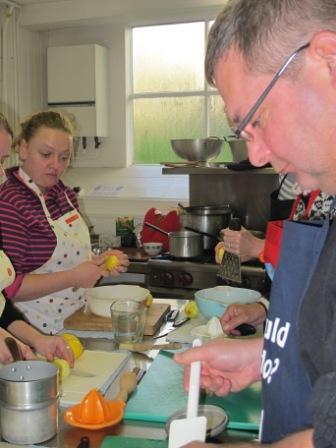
x=110 y=191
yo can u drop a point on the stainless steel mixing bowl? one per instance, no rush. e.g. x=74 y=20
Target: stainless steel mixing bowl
x=197 y=149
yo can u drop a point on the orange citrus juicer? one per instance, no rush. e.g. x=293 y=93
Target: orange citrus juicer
x=95 y=412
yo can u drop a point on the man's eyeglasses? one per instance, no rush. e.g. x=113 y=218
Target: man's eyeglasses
x=248 y=117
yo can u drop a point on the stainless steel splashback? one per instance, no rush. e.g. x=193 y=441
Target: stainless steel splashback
x=247 y=191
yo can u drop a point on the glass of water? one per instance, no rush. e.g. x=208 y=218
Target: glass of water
x=128 y=320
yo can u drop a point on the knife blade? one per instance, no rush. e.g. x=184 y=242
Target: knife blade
x=170 y=327
x=144 y=346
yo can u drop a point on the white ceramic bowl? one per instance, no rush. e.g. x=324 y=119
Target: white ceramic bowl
x=100 y=299
x=152 y=248
x=214 y=301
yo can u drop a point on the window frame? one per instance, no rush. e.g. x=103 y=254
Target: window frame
x=206 y=93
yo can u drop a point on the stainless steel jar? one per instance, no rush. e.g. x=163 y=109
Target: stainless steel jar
x=28 y=402
x=209 y=218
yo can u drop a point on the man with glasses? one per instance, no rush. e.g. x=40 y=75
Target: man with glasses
x=287 y=115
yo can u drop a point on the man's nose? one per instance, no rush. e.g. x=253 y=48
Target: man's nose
x=258 y=153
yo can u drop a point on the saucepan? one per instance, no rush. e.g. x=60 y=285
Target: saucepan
x=183 y=244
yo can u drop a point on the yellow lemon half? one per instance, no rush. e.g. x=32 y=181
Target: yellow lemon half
x=149 y=300
x=111 y=262
x=191 y=309
x=74 y=343
x=63 y=367
x=221 y=253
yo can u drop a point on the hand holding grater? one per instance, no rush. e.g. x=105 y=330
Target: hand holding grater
x=229 y=268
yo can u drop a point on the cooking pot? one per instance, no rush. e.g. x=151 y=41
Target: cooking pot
x=183 y=244
x=28 y=401
x=207 y=218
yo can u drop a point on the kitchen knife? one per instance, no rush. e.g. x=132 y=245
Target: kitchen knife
x=170 y=327
x=144 y=346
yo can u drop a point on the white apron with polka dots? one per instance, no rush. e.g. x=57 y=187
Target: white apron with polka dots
x=7 y=277
x=73 y=247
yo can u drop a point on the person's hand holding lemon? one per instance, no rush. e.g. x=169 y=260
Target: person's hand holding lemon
x=73 y=345
x=116 y=262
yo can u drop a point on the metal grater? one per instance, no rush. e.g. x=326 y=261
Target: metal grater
x=230 y=269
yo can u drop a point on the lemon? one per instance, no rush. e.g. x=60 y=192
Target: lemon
x=191 y=309
x=149 y=300
x=74 y=343
x=63 y=367
x=221 y=253
x=111 y=262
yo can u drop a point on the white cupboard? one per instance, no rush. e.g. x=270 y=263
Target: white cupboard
x=77 y=84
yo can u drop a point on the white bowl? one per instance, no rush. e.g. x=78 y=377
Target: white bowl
x=101 y=298
x=214 y=301
x=152 y=248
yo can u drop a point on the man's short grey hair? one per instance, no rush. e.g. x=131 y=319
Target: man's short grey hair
x=266 y=32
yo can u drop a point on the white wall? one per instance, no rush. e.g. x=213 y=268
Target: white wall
x=106 y=23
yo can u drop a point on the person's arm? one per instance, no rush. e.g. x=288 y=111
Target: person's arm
x=302 y=439
x=48 y=346
x=85 y=275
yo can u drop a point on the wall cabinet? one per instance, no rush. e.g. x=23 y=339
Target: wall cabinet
x=77 y=84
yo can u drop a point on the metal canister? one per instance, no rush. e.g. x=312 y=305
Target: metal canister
x=210 y=219
x=29 y=401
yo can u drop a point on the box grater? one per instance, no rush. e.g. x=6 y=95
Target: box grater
x=229 y=268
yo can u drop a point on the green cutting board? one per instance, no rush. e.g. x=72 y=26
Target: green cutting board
x=132 y=442
x=161 y=393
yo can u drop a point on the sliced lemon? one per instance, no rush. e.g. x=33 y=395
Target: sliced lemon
x=63 y=367
x=149 y=300
x=191 y=309
x=111 y=262
x=74 y=343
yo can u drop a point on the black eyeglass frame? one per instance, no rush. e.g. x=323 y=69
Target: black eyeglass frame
x=255 y=107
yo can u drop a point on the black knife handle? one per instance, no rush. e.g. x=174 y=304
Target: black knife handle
x=246 y=329
x=235 y=224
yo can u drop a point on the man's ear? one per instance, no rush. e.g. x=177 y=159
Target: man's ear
x=22 y=150
x=323 y=48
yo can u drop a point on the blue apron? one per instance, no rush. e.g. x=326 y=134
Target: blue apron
x=286 y=386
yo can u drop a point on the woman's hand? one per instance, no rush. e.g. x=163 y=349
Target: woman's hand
x=86 y=274
x=122 y=261
x=228 y=365
x=53 y=347
x=237 y=314
x=5 y=355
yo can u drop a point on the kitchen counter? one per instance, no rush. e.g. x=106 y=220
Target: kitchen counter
x=200 y=170
x=69 y=437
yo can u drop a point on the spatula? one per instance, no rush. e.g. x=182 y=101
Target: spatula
x=229 y=268
x=182 y=431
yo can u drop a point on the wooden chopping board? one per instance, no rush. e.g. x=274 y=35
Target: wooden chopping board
x=86 y=321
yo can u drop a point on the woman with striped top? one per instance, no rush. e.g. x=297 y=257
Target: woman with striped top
x=42 y=229
x=12 y=322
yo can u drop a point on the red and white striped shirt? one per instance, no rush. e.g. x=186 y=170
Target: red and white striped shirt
x=27 y=238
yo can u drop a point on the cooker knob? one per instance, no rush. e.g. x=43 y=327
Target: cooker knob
x=185 y=279
x=167 y=278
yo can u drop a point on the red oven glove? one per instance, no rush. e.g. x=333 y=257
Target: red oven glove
x=169 y=222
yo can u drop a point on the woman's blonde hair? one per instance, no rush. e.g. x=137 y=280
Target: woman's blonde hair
x=47 y=119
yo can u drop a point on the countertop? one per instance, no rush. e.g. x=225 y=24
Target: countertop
x=69 y=437
x=216 y=170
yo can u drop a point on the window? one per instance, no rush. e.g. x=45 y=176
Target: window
x=170 y=97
